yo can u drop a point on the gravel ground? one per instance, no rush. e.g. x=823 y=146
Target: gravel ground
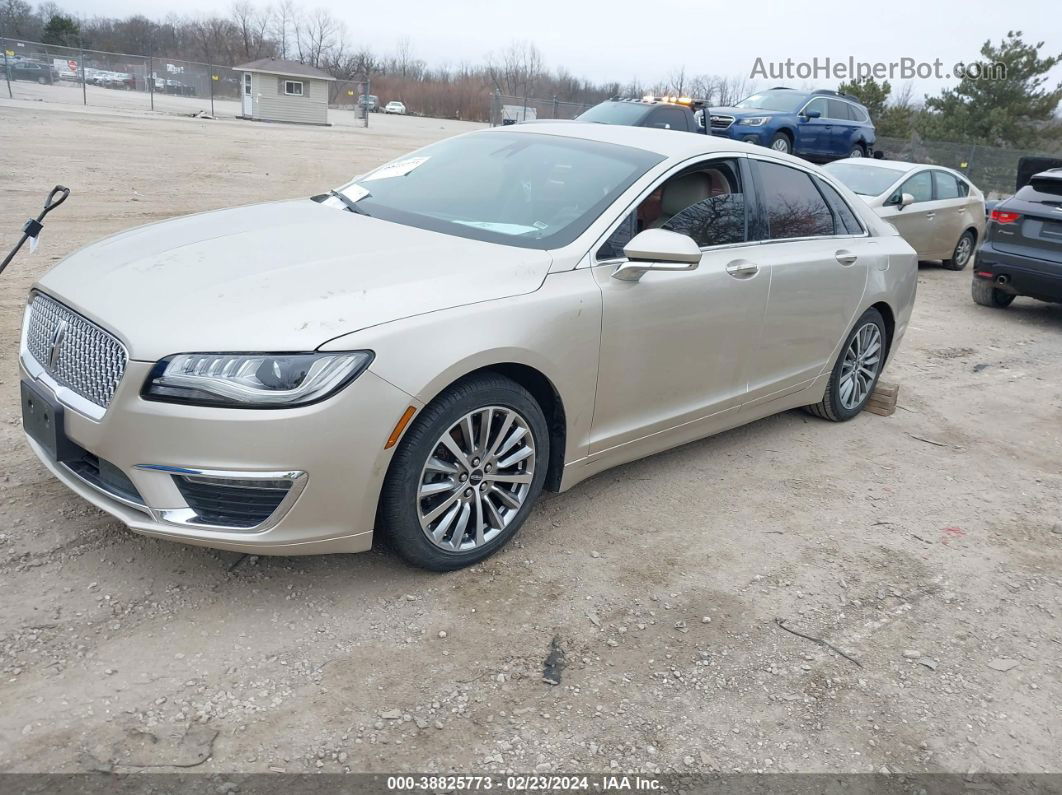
x=925 y=546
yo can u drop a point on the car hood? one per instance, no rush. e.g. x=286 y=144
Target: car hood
x=285 y=276
x=744 y=113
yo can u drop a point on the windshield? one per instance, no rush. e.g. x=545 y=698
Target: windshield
x=519 y=189
x=625 y=113
x=784 y=101
x=864 y=180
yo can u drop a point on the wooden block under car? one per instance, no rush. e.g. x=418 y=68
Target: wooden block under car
x=883 y=399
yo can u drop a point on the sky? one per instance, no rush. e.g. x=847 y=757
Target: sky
x=621 y=40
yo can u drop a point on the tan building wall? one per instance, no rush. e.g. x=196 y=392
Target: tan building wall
x=270 y=103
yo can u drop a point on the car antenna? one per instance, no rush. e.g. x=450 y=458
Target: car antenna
x=32 y=228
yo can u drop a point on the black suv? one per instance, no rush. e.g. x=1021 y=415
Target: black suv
x=1022 y=249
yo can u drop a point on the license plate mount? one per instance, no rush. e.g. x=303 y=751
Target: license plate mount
x=44 y=421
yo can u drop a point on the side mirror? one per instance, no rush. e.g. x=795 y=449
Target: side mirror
x=812 y=114
x=905 y=199
x=657 y=250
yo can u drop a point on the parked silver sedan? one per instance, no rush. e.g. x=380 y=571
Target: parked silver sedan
x=420 y=352
x=937 y=210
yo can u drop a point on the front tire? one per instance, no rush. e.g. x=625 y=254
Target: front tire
x=987 y=294
x=856 y=371
x=781 y=143
x=963 y=253
x=466 y=474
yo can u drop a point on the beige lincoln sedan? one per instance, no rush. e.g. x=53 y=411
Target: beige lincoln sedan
x=937 y=210
x=420 y=352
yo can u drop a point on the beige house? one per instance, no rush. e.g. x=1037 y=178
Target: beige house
x=276 y=90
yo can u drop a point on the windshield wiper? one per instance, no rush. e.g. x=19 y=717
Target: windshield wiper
x=349 y=203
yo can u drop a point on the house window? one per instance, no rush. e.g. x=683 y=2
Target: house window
x=293 y=87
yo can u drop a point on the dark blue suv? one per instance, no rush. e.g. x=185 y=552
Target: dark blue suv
x=817 y=125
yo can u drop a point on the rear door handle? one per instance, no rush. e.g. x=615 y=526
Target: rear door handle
x=931 y=216
x=845 y=257
x=742 y=269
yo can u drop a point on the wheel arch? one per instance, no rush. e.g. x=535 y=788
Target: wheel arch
x=889 y=317
x=544 y=392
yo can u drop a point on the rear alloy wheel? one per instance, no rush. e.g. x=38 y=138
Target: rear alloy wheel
x=781 y=143
x=856 y=371
x=466 y=474
x=857 y=151
x=964 y=250
x=985 y=293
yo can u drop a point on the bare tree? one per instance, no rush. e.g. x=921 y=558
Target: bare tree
x=252 y=25
x=281 y=23
x=515 y=70
x=316 y=35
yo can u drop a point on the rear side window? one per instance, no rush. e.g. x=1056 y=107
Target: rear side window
x=856 y=114
x=668 y=119
x=946 y=185
x=795 y=207
x=845 y=221
x=838 y=109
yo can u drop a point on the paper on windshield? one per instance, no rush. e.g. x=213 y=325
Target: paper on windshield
x=396 y=169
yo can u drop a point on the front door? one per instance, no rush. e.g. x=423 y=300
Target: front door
x=248 y=111
x=813 y=135
x=674 y=346
x=916 y=222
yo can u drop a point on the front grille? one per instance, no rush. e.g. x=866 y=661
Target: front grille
x=87 y=359
x=720 y=122
x=232 y=503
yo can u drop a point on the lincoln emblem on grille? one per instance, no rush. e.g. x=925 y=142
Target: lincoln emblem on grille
x=56 y=344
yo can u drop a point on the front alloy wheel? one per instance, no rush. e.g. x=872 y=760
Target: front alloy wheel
x=780 y=143
x=466 y=473
x=476 y=479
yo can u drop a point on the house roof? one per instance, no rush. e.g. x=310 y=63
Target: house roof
x=276 y=66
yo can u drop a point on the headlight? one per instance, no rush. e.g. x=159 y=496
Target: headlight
x=253 y=380
x=755 y=121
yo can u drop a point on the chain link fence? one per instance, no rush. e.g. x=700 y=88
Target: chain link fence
x=992 y=169
x=505 y=109
x=71 y=75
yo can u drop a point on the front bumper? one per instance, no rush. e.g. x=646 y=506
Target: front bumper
x=1019 y=275
x=333 y=451
x=752 y=135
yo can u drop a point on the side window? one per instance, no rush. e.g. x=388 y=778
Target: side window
x=838 y=109
x=947 y=186
x=964 y=187
x=845 y=221
x=856 y=114
x=920 y=186
x=819 y=105
x=706 y=202
x=668 y=118
x=795 y=208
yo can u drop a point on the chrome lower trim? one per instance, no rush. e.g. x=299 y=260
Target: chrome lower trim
x=68 y=397
x=184 y=516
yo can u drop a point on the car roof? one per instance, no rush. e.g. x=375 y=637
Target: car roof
x=668 y=143
x=892 y=165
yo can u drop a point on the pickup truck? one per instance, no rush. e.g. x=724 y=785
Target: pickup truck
x=668 y=113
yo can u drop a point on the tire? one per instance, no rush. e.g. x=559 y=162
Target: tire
x=839 y=403
x=857 y=151
x=985 y=293
x=781 y=143
x=459 y=494
x=963 y=252
x=42 y=81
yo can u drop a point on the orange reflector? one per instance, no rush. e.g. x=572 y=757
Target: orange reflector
x=403 y=421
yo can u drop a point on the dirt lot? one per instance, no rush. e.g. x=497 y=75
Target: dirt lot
x=927 y=546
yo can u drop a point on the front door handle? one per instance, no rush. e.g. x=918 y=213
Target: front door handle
x=742 y=269
x=931 y=216
x=845 y=257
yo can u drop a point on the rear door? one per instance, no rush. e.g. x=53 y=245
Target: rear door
x=819 y=256
x=951 y=211
x=842 y=128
